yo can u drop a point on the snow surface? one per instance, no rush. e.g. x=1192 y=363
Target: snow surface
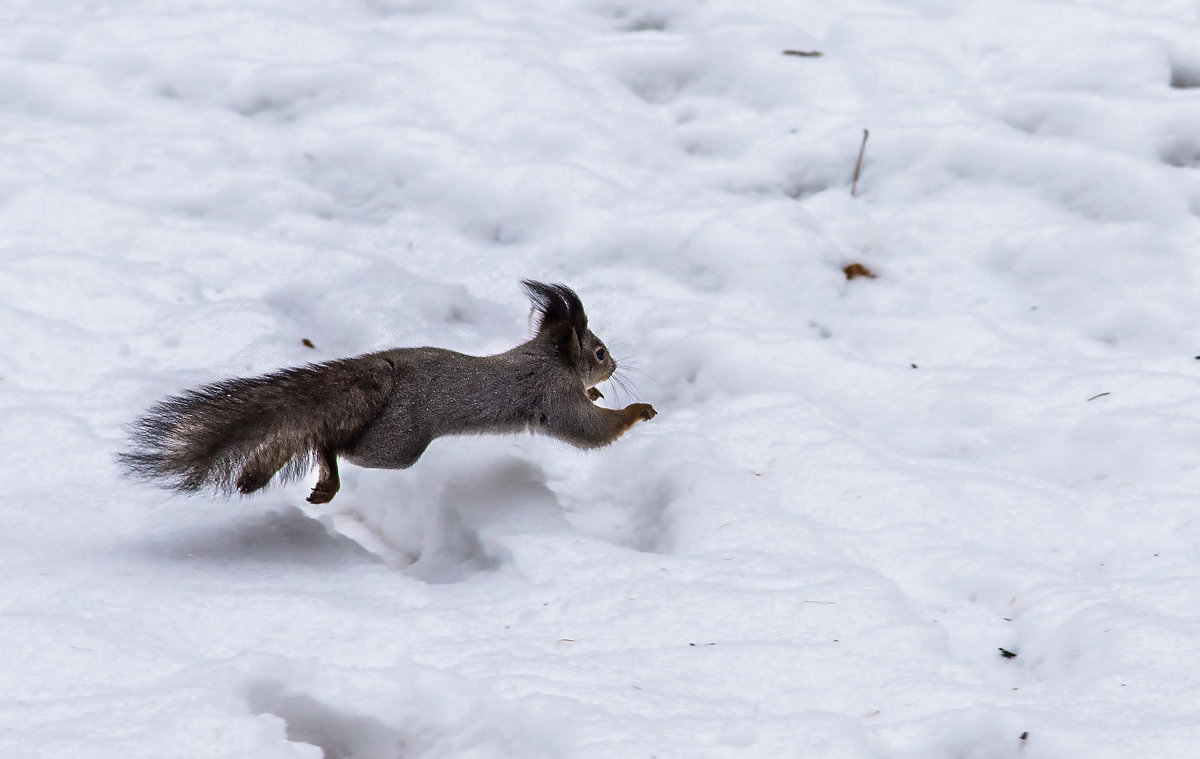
x=855 y=493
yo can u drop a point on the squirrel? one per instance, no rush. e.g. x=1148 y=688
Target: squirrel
x=381 y=410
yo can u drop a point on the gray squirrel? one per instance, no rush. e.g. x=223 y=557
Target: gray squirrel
x=381 y=410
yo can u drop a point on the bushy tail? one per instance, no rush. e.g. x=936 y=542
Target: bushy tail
x=238 y=433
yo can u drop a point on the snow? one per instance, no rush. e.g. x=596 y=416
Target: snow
x=856 y=492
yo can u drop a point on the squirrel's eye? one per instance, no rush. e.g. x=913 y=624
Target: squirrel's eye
x=600 y=353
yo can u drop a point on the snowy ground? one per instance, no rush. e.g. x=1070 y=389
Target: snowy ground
x=855 y=493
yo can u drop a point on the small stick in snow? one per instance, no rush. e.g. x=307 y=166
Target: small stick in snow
x=804 y=53
x=858 y=163
x=1098 y=395
x=1007 y=654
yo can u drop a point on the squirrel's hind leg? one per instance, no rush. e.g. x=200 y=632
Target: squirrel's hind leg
x=328 y=482
x=261 y=467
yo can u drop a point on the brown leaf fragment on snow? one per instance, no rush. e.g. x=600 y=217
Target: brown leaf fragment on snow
x=855 y=270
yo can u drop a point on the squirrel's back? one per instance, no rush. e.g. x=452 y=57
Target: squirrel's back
x=438 y=392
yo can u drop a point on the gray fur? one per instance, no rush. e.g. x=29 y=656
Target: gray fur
x=382 y=410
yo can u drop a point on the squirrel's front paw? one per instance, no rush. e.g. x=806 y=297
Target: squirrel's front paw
x=593 y=394
x=643 y=411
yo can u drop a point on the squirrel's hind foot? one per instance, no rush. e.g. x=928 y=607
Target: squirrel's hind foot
x=253 y=480
x=323 y=492
x=328 y=483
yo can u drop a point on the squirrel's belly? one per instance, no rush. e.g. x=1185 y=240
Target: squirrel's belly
x=386 y=443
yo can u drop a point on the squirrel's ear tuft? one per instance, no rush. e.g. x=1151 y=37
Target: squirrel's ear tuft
x=559 y=306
